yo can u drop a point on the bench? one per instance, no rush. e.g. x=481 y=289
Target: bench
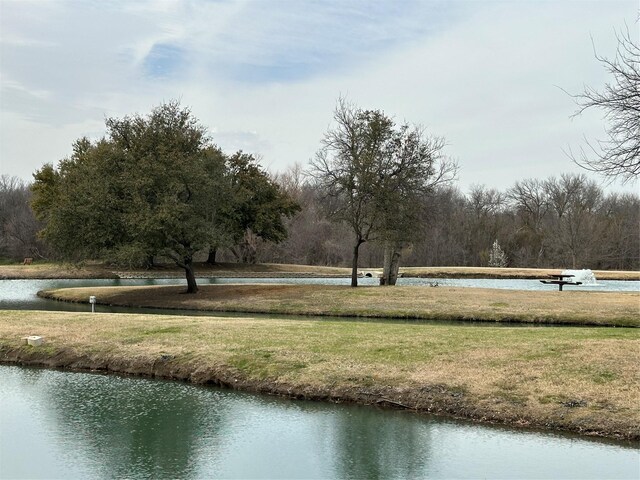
x=560 y=281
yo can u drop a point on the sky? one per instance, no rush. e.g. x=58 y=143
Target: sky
x=491 y=77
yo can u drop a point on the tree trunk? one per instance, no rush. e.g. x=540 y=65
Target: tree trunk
x=192 y=287
x=249 y=254
x=386 y=265
x=391 y=265
x=211 y=258
x=354 y=264
x=395 y=267
x=249 y=247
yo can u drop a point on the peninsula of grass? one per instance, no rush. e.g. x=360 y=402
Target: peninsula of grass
x=620 y=309
x=564 y=378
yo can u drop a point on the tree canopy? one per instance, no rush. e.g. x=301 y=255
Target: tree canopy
x=154 y=185
x=259 y=207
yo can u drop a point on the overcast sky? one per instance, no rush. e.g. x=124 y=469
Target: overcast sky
x=264 y=75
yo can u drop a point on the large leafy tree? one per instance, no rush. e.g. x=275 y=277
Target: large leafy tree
x=259 y=207
x=152 y=185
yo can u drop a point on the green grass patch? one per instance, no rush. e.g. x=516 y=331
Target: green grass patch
x=164 y=330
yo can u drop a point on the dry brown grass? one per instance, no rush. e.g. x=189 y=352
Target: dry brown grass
x=581 y=379
x=492 y=272
x=442 y=303
x=98 y=270
x=54 y=270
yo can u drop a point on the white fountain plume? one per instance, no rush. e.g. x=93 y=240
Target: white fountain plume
x=585 y=276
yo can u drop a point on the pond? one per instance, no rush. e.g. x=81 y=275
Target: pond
x=57 y=424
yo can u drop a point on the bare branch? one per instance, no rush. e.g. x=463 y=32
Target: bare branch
x=618 y=154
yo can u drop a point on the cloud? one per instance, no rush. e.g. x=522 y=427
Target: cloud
x=264 y=75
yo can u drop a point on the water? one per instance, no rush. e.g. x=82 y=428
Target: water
x=57 y=424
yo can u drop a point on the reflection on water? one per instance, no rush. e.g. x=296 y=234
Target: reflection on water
x=73 y=425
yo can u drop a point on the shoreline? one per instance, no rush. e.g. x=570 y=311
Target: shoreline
x=560 y=379
x=435 y=400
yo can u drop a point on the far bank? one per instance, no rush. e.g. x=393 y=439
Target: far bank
x=40 y=270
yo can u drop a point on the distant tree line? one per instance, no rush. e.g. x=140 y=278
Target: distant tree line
x=565 y=221
x=18 y=225
x=559 y=222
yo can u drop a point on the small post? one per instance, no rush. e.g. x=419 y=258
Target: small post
x=92 y=301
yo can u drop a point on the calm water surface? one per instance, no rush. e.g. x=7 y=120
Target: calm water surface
x=75 y=425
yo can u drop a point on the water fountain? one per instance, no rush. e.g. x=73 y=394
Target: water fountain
x=585 y=276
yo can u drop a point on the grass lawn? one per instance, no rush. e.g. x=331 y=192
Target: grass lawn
x=441 y=303
x=494 y=272
x=100 y=270
x=579 y=379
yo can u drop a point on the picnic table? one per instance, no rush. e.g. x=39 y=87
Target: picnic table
x=559 y=279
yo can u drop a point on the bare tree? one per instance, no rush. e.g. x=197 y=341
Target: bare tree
x=618 y=155
x=415 y=167
x=483 y=223
x=18 y=225
x=529 y=199
x=574 y=201
x=373 y=173
x=347 y=170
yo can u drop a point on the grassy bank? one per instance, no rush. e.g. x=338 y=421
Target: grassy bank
x=493 y=272
x=98 y=270
x=54 y=271
x=577 y=379
x=441 y=303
